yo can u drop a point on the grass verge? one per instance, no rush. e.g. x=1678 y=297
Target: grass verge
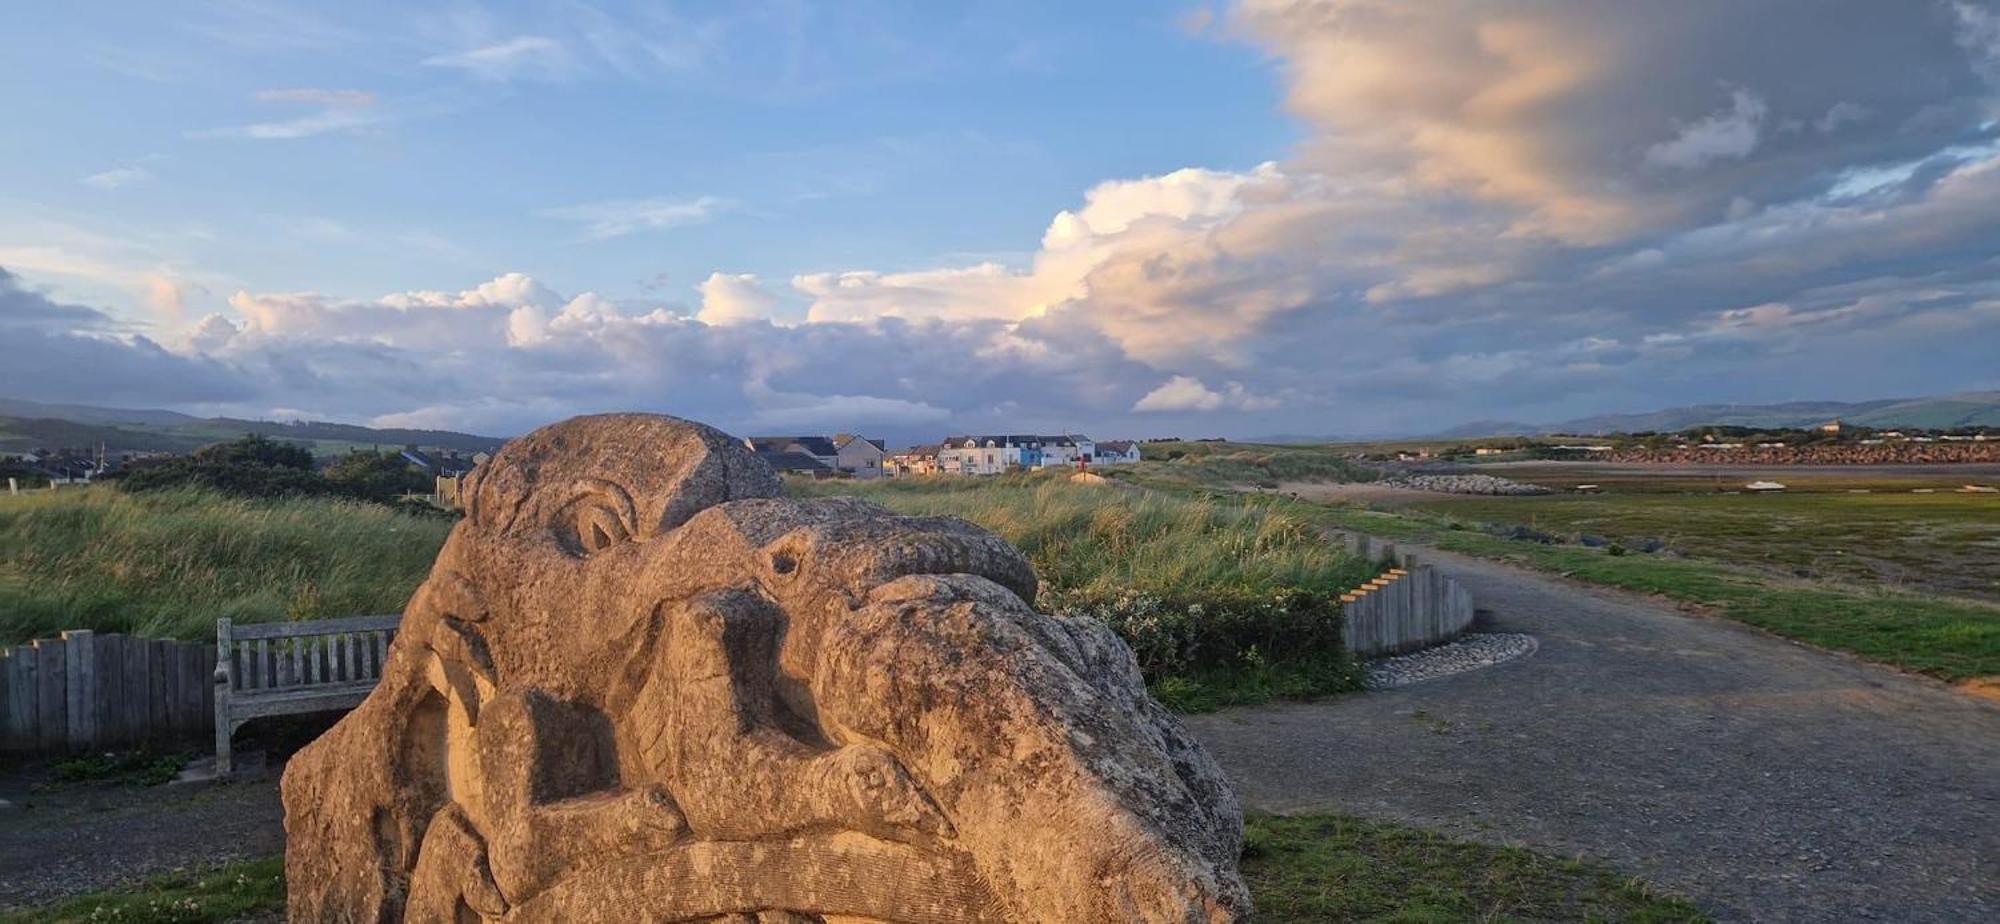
x=218 y=895
x=1952 y=640
x=1328 y=868
x=1318 y=868
x=167 y=564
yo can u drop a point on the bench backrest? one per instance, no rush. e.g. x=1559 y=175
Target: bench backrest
x=293 y=656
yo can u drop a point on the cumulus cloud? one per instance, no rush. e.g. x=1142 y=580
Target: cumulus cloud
x=727 y=299
x=1187 y=393
x=51 y=351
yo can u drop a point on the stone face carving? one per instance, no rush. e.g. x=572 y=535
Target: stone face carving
x=641 y=686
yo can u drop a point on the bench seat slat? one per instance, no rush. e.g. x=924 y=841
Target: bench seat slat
x=313 y=627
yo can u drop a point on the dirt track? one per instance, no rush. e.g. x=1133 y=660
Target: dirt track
x=1768 y=781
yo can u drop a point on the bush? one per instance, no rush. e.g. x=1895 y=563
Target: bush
x=375 y=476
x=252 y=466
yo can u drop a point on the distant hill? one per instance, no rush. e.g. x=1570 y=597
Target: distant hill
x=26 y=425
x=83 y=413
x=1971 y=409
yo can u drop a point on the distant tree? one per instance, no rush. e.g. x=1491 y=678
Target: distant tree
x=252 y=466
x=377 y=476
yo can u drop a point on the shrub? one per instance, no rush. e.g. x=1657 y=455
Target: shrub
x=252 y=466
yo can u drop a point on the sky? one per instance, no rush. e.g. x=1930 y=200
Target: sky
x=1312 y=217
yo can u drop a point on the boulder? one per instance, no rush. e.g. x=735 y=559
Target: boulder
x=640 y=685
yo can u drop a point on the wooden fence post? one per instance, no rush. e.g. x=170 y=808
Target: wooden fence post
x=80 y=688
x=224 y=760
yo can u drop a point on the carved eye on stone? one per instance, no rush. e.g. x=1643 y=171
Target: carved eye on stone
x=597 y=529
x=598 y=517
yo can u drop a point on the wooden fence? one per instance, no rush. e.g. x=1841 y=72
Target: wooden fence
x=1410 y=606
x=86 y=690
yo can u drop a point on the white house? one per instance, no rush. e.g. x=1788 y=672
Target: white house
x=1064 y=451
x=1114 y=452
x=989 y=455
x=863 y=458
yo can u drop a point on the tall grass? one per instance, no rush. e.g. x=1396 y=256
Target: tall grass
x=1108 y=539
x=1233 y=465
x=167 y=564
x=1221 y=602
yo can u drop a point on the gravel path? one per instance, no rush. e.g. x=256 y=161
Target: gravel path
x=1765 y=780
x=1470 y=652
x=56 y=842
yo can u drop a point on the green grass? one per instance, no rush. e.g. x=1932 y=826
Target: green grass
x=1224 y=465
x=1223 y=603
x=1951 y=639
x=1321 y=868
x=167 y=564
x=1333 y=868
x=1108 y=539
x=120 y=768
x=223 y=894
x=1948 y=543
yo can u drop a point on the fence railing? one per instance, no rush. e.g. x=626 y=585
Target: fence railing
x=1410 y=606
x=88 y=690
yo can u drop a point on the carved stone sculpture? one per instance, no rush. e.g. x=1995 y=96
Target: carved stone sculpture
x=639 y=685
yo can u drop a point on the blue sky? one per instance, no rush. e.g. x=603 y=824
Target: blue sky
x=811 y=137
x=1241 y=218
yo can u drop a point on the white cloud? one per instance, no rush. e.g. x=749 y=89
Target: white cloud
x=727 y=298
x=611 y=218
x=525 y=54
x=118 y=177
x=1727 y=135
x=332 y=99
x=338 y=111
x=1187 y=393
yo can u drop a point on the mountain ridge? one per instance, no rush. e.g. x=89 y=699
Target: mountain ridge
x=28 y=425
x=1964 y=409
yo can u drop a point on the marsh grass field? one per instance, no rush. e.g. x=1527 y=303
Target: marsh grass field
x=1946 y=543
x=1849 y=559
x=167 y=564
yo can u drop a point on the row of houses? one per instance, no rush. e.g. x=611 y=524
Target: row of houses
x=994 y=454
x=823 y=456
x=856 y=456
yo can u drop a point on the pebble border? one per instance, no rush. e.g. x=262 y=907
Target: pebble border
x=1469 y=653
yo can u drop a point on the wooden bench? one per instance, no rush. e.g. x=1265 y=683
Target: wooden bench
x=290 y=668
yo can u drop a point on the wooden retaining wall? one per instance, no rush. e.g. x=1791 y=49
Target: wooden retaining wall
x=1410 y=606
x=86 y=690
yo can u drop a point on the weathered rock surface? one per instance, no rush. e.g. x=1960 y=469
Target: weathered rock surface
x=640 y=686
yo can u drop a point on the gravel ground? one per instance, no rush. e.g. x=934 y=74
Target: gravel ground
x=1464 y=484
x=1468 y=653
x=1763 y=779
x=59 y=841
